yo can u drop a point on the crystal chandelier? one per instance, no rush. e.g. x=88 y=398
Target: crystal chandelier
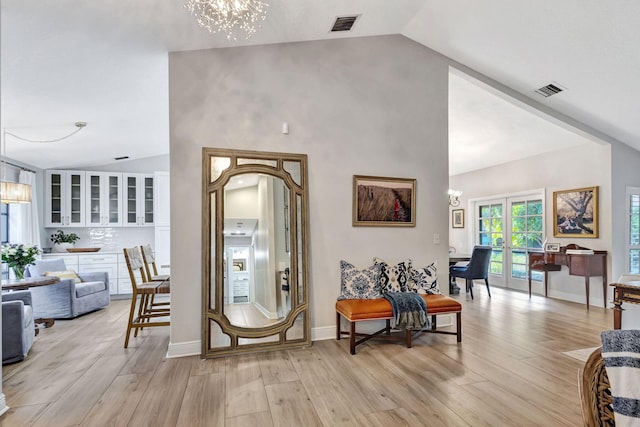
x=229 y=16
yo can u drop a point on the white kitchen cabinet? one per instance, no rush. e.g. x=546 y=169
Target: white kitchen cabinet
x=70 y=260
x=104 y=199
x=108 y=262
x=124 y=280
x=138 y=200
x=64 y=198
x=162 y=230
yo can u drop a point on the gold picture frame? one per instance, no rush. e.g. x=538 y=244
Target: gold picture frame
x=384 y=202
x=575 y=213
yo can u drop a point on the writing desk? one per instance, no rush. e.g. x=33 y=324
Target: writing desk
x=623 y=292
x=585 y=265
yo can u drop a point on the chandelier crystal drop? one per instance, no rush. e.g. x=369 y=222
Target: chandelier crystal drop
x=229 y=16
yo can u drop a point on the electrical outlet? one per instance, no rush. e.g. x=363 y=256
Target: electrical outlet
x=436 y=239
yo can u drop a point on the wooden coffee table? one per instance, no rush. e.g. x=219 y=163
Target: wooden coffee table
x=31 y=282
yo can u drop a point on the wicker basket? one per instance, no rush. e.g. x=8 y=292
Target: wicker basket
x=595 y=392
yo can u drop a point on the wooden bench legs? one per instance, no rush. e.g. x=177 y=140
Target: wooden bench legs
x=407 y=335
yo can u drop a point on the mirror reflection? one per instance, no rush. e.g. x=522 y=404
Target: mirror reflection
x=256 y=244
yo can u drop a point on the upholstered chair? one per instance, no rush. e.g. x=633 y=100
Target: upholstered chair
x=478 y=268
x=18 y=328
x=70 y=297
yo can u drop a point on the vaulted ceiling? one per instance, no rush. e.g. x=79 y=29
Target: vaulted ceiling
x=105 y=62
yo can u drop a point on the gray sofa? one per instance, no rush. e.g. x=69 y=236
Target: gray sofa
x=18 y=329
x=67 y=299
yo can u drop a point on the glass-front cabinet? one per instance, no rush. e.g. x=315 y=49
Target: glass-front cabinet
x=138 y=200
x=65 y=198
x=104 y=198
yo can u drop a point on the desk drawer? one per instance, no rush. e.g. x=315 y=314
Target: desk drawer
x=88 y=260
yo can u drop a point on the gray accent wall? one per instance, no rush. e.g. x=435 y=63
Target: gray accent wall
x=363 y=106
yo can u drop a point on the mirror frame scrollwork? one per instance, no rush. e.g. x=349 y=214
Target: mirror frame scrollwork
x=244 y=339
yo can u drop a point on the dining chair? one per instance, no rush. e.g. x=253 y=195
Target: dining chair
x=477 y=268
x=149 y=259
x=147 y=309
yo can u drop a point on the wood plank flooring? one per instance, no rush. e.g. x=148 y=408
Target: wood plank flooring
x=509 y=370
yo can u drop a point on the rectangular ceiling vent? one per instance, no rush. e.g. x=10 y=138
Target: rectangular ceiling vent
x=344 y=23
x=549 y=90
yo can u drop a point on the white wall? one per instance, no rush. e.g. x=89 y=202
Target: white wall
x=586 y=166
x=370 y=106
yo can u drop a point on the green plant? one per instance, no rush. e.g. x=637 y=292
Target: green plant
x=61 y=237
x=19 y=256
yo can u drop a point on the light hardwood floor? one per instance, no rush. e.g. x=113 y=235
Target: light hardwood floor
x=509 y=370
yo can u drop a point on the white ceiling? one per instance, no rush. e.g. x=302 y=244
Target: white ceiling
x=105 y=62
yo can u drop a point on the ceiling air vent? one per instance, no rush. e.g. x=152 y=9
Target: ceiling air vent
x=344 y=23
x=549 y=90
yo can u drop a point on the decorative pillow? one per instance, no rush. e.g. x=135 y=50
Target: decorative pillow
x=425 y=280
x=66 y=274
x=621 y=354
x=359 y=284
x=394 y=278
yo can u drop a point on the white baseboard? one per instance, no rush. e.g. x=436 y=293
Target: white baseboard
x=183 y=349
x=323 y=333
x=3 y=404
x=193 y=348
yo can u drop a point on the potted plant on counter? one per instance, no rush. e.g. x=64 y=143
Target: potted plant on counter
x=62 y=241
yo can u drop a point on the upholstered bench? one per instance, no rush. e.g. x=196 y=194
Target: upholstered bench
x=360 y=310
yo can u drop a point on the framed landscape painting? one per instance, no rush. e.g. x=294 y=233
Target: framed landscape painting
x=575 y=213
x=384 y=202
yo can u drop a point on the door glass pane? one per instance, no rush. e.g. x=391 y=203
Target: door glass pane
x=490 y=233
x=526 y=235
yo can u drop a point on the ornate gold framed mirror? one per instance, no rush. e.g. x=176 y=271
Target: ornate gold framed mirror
x=255 y=252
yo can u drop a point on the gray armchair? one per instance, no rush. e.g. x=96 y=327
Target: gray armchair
x=18 y=329
x=67 y=299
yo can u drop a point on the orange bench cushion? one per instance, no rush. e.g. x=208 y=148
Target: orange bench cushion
x=380 y=308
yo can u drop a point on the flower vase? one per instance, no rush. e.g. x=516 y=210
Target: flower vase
x=18 y=271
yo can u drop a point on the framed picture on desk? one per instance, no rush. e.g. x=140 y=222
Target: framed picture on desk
x=552 y=247
x=575 y=213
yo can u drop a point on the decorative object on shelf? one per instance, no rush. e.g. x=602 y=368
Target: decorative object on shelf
x=457 y=218
x=74 y=250
x=63 y=241
x=19 y=256
x=384 y=202
x=454 y=197
x=228 y=16
x=575 y=213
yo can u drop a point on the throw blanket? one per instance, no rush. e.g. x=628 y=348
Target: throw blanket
x=409 y=310
x=621 y=354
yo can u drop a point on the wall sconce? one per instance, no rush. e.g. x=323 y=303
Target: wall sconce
x=454 y=197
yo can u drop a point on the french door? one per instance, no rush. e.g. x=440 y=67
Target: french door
x=512 y=226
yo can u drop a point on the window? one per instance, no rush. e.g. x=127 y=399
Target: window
x=633 y=227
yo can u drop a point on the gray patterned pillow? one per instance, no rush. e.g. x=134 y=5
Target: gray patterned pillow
x=359 y=284
x=394 y=278
x=425 y=280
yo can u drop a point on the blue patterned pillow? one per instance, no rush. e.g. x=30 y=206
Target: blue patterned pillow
x=394 y=278
x=359 y=284
x=425 y=280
